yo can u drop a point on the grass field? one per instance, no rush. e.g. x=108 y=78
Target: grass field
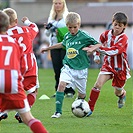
x=106 y=118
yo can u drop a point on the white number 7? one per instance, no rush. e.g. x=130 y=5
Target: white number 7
x=8 y=54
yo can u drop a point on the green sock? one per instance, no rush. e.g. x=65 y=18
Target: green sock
x=59 y=101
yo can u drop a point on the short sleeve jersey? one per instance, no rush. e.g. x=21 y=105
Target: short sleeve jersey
x=75 y=57
x=24 y=36
x=10 y=76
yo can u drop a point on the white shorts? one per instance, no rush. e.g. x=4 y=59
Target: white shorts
x=75 y=78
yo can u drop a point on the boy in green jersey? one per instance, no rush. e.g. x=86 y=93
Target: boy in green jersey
x=76 y=61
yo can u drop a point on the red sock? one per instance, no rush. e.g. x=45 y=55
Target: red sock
x=93 y=98
x=0 y=103
x=31 y=98
x=36 y=126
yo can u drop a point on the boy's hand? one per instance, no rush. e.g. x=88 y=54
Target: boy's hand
x=97 y=59
x=88 y=49
x=24 y=19
x=42 y=50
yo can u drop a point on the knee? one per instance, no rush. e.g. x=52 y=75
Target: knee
x=118 y=91
x=81 y=96
x=36 y=92
x=61 y=86
x=98 y=85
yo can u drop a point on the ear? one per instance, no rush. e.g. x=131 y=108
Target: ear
x=79 y=24
x=16 y=21
x=126 y=25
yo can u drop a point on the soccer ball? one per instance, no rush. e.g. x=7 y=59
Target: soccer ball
x=80 y=108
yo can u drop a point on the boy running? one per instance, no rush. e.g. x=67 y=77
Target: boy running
x=76 y=60
x=115 y=66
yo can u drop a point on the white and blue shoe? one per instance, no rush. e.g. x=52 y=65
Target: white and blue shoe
x=56 y=115
x=89 y=114
x=121 y=101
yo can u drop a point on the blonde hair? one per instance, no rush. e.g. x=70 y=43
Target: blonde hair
x=73 y=18
x=4 y=21
x=11 y=13
x=62 y=14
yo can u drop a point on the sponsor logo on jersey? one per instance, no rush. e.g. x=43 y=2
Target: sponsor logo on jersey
x=71 y=53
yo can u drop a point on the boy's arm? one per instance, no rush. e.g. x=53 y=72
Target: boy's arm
x=28 y=23
x=119 y=47
x=92 y=48
x=96 y=55
x=56 y=46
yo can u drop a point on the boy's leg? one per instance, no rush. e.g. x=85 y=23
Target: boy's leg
x=69 y=92
x=122 y=99
x=2 y=115
x=93 y=98
x=32 y=97
x=31 y=86
x=119 y=90
x=59 y=102
x=0 y=103
x=95 y=91
x=34 y=124
x=29 y=83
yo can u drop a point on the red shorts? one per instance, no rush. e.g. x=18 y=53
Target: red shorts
x=30 y=84
x=29 y=71
x=19 y=105
x=118 y=77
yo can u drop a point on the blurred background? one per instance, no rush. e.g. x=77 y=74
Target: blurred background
x=95 y=14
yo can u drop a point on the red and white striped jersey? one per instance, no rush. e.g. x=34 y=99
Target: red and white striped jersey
x=10 y=75
x=114 y=48
x=24 y=36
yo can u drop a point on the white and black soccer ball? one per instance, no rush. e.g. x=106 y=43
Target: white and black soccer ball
x=80 y=108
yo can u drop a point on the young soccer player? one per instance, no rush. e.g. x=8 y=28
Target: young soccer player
x=76 y=61
x=12 y=93
x=25 y=36
x=115 y=66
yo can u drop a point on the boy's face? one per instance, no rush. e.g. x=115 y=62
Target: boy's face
x=73 y=28
x=118 y=28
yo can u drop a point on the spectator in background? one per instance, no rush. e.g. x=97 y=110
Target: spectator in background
x=57 y=19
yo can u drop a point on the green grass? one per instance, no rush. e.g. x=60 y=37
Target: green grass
x=106 y=118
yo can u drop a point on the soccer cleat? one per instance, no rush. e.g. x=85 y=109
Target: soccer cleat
x=3 y=116
x=69 y=95
x=17 y=116
x=53 y=96
x=121 y=101
x=56 y=115
x=89 y=114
